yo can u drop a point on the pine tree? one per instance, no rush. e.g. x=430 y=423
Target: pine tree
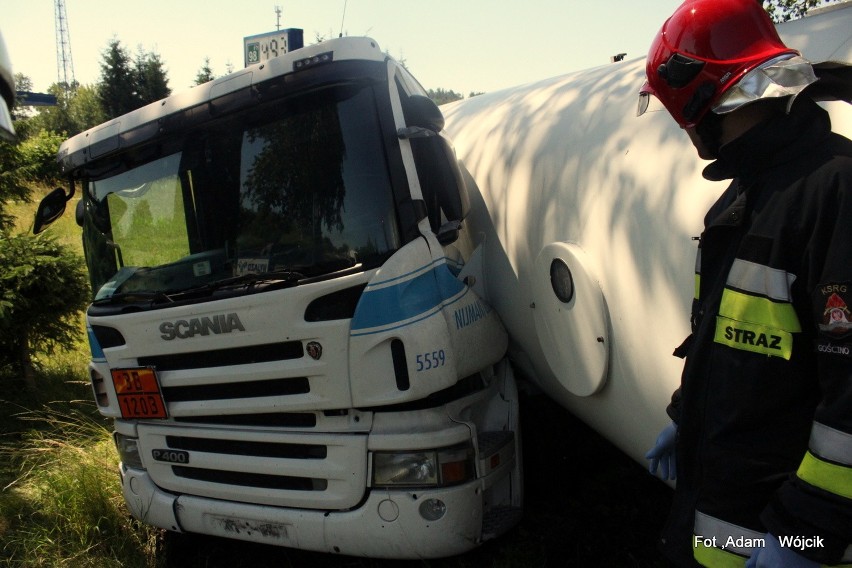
x=152 y=84
x=205 y=74
x=117 y=91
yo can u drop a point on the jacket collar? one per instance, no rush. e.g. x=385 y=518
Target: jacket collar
x=772 y=142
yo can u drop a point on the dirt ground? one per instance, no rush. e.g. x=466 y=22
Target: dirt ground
x=586 y=504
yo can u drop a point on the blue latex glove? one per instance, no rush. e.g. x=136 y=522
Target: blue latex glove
x=773 y=555
x=662 y=455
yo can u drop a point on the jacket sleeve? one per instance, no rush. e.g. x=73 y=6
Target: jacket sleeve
x=673 y=409
x=816 y=502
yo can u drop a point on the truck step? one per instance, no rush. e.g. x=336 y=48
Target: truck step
x=499 y=520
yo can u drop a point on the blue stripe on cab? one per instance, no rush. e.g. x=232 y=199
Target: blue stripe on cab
x=406 y=299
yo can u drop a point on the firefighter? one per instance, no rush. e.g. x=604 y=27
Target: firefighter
x=7 y=94
x=761 y=435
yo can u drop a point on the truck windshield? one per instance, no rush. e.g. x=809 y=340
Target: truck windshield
x=288 y=191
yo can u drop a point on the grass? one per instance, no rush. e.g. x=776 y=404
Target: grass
x=60 y=503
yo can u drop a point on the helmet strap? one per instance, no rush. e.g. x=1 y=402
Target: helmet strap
x=699 y=101
x=709 y=130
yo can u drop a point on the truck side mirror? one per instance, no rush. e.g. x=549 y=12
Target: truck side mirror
x=423 y=112
x=50 y=209
x=443 y=187
x=441 y=182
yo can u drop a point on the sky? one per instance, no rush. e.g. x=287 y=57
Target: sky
x=458 y=45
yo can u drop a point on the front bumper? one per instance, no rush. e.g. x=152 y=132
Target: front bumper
x=387 y=524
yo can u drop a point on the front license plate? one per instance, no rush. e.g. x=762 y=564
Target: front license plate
x=139 y=393
x=258 y=531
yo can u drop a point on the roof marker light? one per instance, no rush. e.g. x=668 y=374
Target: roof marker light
x=319 y=59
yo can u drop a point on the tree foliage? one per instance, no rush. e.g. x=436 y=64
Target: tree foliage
x=205 y=73
x=152 y=83
x=784 y=10
x=43 y=287
x=118 y=82
x=38 y=157
x=12 y=183
x=441 y=96
x=75 y=111
x=84 y=109
x=127 y=84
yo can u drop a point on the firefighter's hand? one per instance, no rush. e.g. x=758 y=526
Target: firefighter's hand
x=773 y=555
x=662 y=455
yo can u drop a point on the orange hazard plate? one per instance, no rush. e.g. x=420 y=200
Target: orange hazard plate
x=139 y=393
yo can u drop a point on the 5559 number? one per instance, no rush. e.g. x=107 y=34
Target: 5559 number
x=433 y=360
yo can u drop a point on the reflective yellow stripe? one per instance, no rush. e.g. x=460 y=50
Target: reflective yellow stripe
x=716 y=557
x=759 y=310
x=827 y=476
x=697 y=285
x=754 y=338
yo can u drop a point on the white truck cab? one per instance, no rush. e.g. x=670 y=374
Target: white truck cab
x=285 y=327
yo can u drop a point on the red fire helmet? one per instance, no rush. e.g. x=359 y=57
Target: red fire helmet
x=704 y=49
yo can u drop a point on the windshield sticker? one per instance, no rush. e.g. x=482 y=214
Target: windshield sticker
x=252 y=266
x=201 y=269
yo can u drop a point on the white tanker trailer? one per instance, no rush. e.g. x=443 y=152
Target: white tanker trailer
x=587 y=216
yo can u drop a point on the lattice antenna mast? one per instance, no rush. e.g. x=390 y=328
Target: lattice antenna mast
x=64 y=62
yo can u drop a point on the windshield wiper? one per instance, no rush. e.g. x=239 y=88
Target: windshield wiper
x=133 y=297
x=273 y=279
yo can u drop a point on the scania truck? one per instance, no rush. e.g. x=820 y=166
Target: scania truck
x=286 y=323
x=300 y=294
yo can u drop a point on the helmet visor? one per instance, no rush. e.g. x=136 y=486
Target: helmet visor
x=784 y=76
x=648 y=101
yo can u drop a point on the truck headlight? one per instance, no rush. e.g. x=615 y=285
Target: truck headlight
x=424 y=468
x=128 y=451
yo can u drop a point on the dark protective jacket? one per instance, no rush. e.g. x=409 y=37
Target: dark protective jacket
x=764 y=410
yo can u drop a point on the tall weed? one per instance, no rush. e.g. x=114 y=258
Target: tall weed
x=60 y=495
x=63 y=505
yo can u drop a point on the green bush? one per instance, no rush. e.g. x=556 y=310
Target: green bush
x=43 y=287
x=13 y=184
x=38 y=157
x=22 y=164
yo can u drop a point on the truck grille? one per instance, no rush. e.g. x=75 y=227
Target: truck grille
x=242 y=448
x=252 y=479
x=285 y=469
x=225 y=357
x=244 y=389
x=269 y=420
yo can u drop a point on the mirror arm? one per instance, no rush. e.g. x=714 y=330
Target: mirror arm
x=410 y=132
x=449 y=232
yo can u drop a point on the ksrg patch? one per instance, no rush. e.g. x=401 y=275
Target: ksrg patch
x=834 y=303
